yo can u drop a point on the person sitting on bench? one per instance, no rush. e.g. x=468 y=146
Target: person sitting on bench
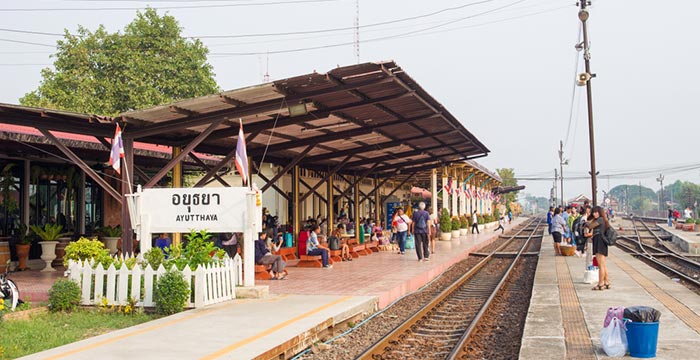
x=334 y=241
x=263 y=256
x=314 y=248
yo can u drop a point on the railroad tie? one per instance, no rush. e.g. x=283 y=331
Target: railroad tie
x=576 y=336
x=683 y=312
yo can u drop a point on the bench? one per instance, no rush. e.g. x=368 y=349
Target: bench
x=262 y=272
x=287 y=253
x=312 y=261
x=372 y=246
x=335 y=255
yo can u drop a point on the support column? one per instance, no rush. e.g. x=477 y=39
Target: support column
x=25 y=192
x=127 y=172
x=82 y=209
x=433 y=192
x=176 y=183
x=356 y=203
x=454 y=197
x=329 y=205
x=295 y=204
x=445 y=194
x=462 y=197
x=377 y=203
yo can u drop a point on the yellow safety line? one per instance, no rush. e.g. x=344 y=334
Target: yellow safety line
x=266 y=332
x=141 y=331
x=682 y=311
x=576 y=335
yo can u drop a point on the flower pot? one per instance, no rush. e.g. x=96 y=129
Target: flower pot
x=455 y=234
x=60 y=251
x=22 y=255
x=445 y=236
x=463 y=232
x=48 y=253
x=689 y=227
x=111 y=244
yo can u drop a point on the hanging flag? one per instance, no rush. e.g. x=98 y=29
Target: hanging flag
x=241 y=160
x=448 y=186
x=468 y=192
x=117 y=151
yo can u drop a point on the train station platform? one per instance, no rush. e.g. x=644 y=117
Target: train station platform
x=565 y=316
x=299 y=308
x=689 y=241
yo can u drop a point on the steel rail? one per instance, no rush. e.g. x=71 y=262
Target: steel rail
x=378 y=348
x=458 y=349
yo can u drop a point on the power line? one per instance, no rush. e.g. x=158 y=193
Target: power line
x=27 y=42
x=168 y=7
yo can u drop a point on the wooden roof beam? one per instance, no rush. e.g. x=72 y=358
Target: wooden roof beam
x=182 y=111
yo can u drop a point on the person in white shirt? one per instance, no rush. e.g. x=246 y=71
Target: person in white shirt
x=687 y=213
x=401 y=222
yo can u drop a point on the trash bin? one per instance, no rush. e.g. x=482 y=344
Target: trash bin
x=642 y=338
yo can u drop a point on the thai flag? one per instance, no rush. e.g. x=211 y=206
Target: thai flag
x=241 y=160
x=117 y=151
x=448 y=186
x=467 y=191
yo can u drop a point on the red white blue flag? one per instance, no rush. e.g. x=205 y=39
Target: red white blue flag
x=468 y=192
x=241 y=160
x=448 y=186
x=117 y=151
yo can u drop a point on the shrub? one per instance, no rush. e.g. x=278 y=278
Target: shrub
x=464 y=222
x=110 y=231
x=697 y=221
x=85 y=249
x=198 y=251
x=445 y=222
x=171 y=293
x=479 y=219
x=496 y=214
x=64 y=295
x=455 y=223
x=154 y=257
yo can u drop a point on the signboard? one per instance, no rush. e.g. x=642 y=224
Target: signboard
x=185 y=209
x=390 y=210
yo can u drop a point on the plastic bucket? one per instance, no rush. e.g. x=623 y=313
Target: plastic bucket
x=642 y=338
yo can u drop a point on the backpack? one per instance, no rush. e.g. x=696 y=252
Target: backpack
x=577 y=228
x=610 y=236
x=334 y=243
x=421 y=223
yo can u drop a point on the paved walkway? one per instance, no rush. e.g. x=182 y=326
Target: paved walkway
x=553 y=332
x=34 y=285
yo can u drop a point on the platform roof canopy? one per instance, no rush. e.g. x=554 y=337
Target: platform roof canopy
x=369 y=117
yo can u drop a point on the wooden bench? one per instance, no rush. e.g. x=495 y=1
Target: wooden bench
x=288 y=253
x=262 y=272
x=312 y=261
x=335 y=255
x=372 y=246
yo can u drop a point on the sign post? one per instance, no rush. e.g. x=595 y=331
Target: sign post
x=217 y=210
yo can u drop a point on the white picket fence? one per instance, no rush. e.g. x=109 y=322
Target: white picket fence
x=209 y=284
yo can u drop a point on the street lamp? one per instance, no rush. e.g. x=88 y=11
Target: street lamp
x=562 y=162
x=660 y=179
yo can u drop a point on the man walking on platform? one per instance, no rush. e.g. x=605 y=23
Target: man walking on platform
x=475 y=224
x=420 y=228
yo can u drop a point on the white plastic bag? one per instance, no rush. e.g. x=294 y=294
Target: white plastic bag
x=613 y=339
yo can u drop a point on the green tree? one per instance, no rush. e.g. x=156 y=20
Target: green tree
x=508 y=178
x=104 y=73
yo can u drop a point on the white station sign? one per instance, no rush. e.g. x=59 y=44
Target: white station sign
x=185 y=209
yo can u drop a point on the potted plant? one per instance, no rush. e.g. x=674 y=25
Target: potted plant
x=24 y=243
x=49 y=235
x=455 y=227
x=689 y=225
x=697 y=224
x=110 y=236
x=463 y=225
x=445 y=225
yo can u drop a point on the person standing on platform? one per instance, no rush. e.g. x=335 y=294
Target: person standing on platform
x=549 y=219
x=600 y=248
x=420 y=226
x=558 y=229
x=432 y=229
x=670 y=217
x=475 y=222
x=687 y=213
x=402 y=221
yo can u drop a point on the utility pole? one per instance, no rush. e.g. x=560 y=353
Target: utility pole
x=660 y=179
x=556 y=176
x=586 y=77
x=561 y=170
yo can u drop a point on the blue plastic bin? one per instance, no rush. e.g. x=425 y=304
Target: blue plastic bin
x=642 y=338
x=287 y=239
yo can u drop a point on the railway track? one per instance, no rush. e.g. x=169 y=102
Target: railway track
x=654 y=251
x=441 y=328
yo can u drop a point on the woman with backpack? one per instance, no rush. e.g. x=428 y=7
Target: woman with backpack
x=600 y=247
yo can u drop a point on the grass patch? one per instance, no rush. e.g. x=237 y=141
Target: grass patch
x=46 y=331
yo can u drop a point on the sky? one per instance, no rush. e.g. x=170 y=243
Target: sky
x=505 y=68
